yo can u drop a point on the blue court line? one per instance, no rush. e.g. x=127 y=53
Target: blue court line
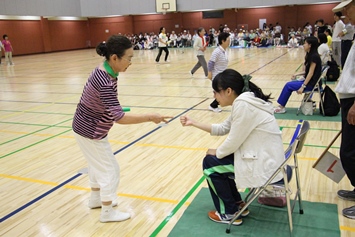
x=147 y=134
x=38 y=198
x=77 y=175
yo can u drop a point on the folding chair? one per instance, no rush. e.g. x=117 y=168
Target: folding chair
x=318 y=88
x=293 y=149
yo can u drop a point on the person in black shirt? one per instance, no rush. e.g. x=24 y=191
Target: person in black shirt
x=321 y=26
x=313 y=70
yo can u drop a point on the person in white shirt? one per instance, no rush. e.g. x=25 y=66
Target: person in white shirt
x=252 y=151
x=162 y=44
x=346 y=90
x=292 y=43
x=1 y=47
x=278 y=27
x=347 y=36
x=173 y=38
x=323 y=49
x=336 y=41
x=200 y=46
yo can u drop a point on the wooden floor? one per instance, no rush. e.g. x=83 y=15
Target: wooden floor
x=43 y=193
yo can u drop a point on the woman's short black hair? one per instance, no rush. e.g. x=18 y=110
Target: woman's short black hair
x=222 y=37
x=116 y=44
x=322 y=38
x=4 y=36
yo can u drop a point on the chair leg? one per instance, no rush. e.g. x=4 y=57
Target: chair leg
x=289 y=208
x=298 y=194
x=321 y=101
x=255 y=193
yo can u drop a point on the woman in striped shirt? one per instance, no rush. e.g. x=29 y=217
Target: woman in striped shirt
x=97 y=111
x=218 y=63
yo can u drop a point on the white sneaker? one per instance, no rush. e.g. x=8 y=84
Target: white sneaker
x=111 y=215
x=167 y=61
x=96 y=203
x=216 y=110
x=191 y=74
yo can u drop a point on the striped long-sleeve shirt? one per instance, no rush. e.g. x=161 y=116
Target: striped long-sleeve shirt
x=99 y=107
x=218 y=61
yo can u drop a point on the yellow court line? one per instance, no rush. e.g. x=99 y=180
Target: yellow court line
x=37 y=107
x=347 y=228
x=88 y=189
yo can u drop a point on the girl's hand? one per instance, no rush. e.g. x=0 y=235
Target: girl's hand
x=300 y=91
x=211 y=152
x=157 y=118
x=186 y=121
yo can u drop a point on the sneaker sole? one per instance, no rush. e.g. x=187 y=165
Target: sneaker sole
x=245 y=213
x=236 y=222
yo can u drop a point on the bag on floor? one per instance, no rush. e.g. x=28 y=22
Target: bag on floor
x=307 y=108
x=333 y=71
x=331 y=103
x=273 y=196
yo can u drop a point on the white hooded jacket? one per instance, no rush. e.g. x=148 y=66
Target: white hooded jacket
x=255 y=139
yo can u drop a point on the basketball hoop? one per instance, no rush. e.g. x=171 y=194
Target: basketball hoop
x=165 y=7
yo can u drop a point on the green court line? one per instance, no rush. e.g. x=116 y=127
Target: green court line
x=33 y=144
x=38 y=125
x=33 y=112
x=17 y=138
x=178 y=206
x=315 y=146
x=320 y=129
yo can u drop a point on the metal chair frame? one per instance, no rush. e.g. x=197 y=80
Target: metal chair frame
x=318 y=88
x=293 y=149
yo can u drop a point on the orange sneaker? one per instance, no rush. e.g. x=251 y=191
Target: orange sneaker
x=224 y=218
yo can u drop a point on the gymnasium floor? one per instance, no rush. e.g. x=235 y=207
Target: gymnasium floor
x=43 y=181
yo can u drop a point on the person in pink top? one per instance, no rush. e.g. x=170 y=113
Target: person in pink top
x=8 y=49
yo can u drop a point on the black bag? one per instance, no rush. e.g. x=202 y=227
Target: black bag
x=333 y=71
x=330 y=103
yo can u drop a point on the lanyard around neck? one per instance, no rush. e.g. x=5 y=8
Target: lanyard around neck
x=109 y=70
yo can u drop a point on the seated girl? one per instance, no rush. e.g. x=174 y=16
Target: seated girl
x=313 y=68
x=252 y=151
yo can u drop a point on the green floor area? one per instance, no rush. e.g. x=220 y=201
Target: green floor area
x=318 y=220
x=291 y=115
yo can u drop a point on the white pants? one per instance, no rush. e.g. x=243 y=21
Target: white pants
x=104 y=171
x=8 y=57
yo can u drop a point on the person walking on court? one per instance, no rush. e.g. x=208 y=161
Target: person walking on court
x=8 y=49
x=218 y=63
x=252 y=151
x=346 y=90
x=97 y=111
x=162 y=45
x=1 y=47
x=200 y=45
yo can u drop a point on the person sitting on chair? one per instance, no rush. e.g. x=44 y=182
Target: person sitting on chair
x=313 y=70
x=251 y=153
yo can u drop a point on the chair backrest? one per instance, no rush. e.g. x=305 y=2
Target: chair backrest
x=302 y=136
x=322 y=76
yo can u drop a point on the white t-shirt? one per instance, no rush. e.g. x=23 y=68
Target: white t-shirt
x=323 y=51
x=163 y=37
x=338 y=27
